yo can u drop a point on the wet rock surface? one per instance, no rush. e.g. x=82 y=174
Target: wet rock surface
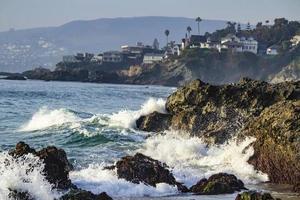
x=216 y=113
x=19 y=195
x=254 y=195
x=276 y=149
x=84 y=195
x=221 y=183
x=155 y=121
x=140 y=168
x=57 y=166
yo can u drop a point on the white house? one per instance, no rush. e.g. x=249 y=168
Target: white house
x=295 y=40
x=97 y=58
x=230 y=38
x=249 y=45
x=151 y=58
x=112 y=56
x=272 y=50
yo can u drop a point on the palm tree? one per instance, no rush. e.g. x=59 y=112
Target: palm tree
x=167 y=33
x=189 y=29
x=198 y=20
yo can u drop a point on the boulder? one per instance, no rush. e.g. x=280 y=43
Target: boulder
x=254 y=195
x=276 y=149
x=216 y=113
x=56 y=164
x=19 y=195
x=80 y=194
x=140 y=168
x=154 y=122
x=221 y=183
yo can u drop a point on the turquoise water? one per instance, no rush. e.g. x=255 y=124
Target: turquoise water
x=95 y=125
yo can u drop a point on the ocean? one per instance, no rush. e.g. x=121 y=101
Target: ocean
x=95 y=125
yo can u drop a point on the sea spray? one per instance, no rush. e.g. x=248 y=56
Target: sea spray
x=191 y=159
x=24 y=174
x=45 y=118
x=97 y=180
x=127 y=118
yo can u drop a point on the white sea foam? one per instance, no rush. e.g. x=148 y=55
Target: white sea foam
x=127 y=118
x=192 y=160
x=46 y=118
x=15 y=174
x=97 y=180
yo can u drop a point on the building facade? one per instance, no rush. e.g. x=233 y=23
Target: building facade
x=151 y=58
x=112 y=57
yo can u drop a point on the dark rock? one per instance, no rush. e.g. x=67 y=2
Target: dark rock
x=19 y=195
x=253 y=195
x=140 y=168
x=15 y=77
x=296 y=188
x=217 y=113
x=57 y=166
x=22 y=149
x=154 y=122
x=276 y=149
x=221 y=183
x=84 y=195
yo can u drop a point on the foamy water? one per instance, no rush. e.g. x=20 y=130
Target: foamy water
x=24 y=174
x=95 y=130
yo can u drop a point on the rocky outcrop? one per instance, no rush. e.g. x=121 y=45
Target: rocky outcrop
x=221 y=183
x=19 y=195
x=253 y=195
x=79 y=194
x=155 y=121
x=140 y=168
x=276 y=149
x=218 y=112
x=57 y=166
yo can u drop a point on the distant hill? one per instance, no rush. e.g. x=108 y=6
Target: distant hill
x=25 y=49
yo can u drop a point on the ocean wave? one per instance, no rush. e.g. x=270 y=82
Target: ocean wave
x=191 y=159
x=24 y=174
x=45 y=118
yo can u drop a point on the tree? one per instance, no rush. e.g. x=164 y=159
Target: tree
x=267 y=22
x=198 y=20
x=189 y=29
x=167 y=33
x=248 y=26
x=239 y=29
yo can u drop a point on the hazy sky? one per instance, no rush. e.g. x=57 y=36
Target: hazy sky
x=36 y=13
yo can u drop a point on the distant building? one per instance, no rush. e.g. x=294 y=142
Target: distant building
x=249 y=45
x=70 y=59
x=236 y=44
x=272 y=50
x=195 y=41
x=112 y=57
x=97 y=58
x=88 y=56
x=151 y=58
x=295 y=40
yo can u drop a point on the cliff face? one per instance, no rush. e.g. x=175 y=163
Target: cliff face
x=268 y=112
x=216 y=113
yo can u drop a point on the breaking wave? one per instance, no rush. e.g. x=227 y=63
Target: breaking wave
x=24 y=174
x=45 y=118
x=191 y=159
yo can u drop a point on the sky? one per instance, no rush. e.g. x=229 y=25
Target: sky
x=21 y=14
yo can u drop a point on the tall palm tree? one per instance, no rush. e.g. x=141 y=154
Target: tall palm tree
x=189 y=29
x=198 y=20
x=167 y=33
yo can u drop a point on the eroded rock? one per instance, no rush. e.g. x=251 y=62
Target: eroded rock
x=140 y=168
x=57 y=166
x=254 y=195
x=221 y=183
x=80 y=194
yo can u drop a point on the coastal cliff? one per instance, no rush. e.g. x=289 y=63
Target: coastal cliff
x=268 y=112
